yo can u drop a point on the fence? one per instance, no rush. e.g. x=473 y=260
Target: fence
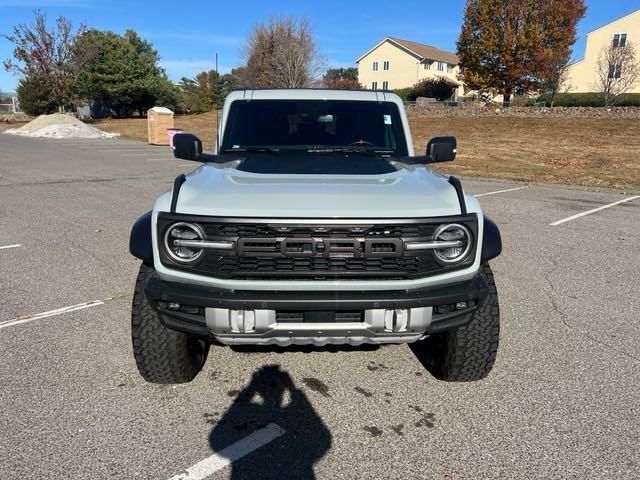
x=13 y=107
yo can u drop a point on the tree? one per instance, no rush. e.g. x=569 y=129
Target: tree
x=282 y=54
x=240 y=77
x=342 y=78
x=206 y=91
x=46 y=56
x=617 y=72
x=556 y=76
x=35 y=96
x=438 y=88
x=122 y=73
x=195 y=93
x=511 y=45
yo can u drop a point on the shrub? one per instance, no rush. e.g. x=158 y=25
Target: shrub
x=590 y=99
x=35 y=97
x=404 y=93
x=522 y=101
x=437 y=88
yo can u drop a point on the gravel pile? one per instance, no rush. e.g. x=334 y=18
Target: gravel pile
x=59 y=125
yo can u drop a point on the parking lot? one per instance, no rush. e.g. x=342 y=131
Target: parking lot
x=563 y=400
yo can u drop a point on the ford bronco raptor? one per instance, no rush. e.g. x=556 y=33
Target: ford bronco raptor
x=314 y=223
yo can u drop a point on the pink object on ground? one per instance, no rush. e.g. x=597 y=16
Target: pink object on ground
x=171 y=132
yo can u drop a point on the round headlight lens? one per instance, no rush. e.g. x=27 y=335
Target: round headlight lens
x=453 y=232
x=183 y=231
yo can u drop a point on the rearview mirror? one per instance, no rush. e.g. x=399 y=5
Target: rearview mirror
x=187 y=146
x=441 y=149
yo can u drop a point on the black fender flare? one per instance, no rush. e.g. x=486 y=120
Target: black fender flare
x=140 y=242
x=491 y=241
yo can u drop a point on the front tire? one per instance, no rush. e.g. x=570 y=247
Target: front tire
x=162 y=355
x=468 y=353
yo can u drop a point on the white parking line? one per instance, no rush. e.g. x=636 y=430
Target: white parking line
x=122 y=150
x=589 y=212
x=50 y=313
x=232 y=453
x=170 y=159
x=141 y=154
x=10 y=246
x=500 y=191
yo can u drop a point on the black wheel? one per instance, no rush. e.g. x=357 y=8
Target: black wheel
x=468 y=353
x=162 y=355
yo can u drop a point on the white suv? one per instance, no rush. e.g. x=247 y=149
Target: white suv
x=314 y=223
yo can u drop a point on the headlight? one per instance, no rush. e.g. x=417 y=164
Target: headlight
x=457 y=235
x=179 y=241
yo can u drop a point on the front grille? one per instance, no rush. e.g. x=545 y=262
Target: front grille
x=285 y=250
x=316 y=267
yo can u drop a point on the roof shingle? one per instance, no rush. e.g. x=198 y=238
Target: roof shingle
x=427 y=52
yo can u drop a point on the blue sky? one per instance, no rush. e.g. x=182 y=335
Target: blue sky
x=187 y=34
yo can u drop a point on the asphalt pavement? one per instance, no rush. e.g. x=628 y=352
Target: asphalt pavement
x=563 y=400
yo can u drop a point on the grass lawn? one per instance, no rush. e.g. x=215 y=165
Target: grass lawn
x=579 y=151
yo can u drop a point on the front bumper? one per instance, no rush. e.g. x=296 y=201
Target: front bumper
x=250 y=317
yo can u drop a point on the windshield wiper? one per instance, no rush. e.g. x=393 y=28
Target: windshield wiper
x=254 y=148
x=364 y=151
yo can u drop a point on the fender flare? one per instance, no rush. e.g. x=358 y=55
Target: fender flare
x=491 y=241
x=140 y=242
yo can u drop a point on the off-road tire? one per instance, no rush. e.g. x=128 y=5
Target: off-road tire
x=162 y=355
x=468 y=353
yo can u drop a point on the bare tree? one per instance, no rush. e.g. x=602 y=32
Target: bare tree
x=617 y=73
x=282 y=54
x=47 y=54
x=556 y=76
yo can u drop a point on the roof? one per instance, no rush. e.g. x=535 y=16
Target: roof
x=419 y=50
x=313 y=94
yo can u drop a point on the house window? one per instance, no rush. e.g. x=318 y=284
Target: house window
x=615 y=71
x=375 y=66
x=449 y=68
x=427 y=65
x=374 y=85
x=385 y=65
x=385 y=85
x=619 y=40
x=440 y=66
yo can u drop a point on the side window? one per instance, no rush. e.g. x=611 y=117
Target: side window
x=449 y=68
x=615 y=71
x=619 y=40
x=385 y=65
x=385 y=85
x=440 y=66
x=375 y=66
x=374 y=85
x=427 y=65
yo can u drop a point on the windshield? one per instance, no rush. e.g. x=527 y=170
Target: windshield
x=309 y=124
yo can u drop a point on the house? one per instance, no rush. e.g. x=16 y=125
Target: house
x=581 y=76
x=394 y=63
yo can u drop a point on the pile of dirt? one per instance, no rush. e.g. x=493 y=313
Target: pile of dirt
x=59 y=125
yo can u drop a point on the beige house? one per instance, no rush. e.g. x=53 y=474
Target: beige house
x=581 y=76
x=394 y=63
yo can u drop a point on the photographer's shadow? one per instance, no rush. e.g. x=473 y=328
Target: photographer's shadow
x=264 y=402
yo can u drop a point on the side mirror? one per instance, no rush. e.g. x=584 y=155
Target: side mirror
x=441 y=149
x=187 y=146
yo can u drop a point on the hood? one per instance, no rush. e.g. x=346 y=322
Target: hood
x=409 y=192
